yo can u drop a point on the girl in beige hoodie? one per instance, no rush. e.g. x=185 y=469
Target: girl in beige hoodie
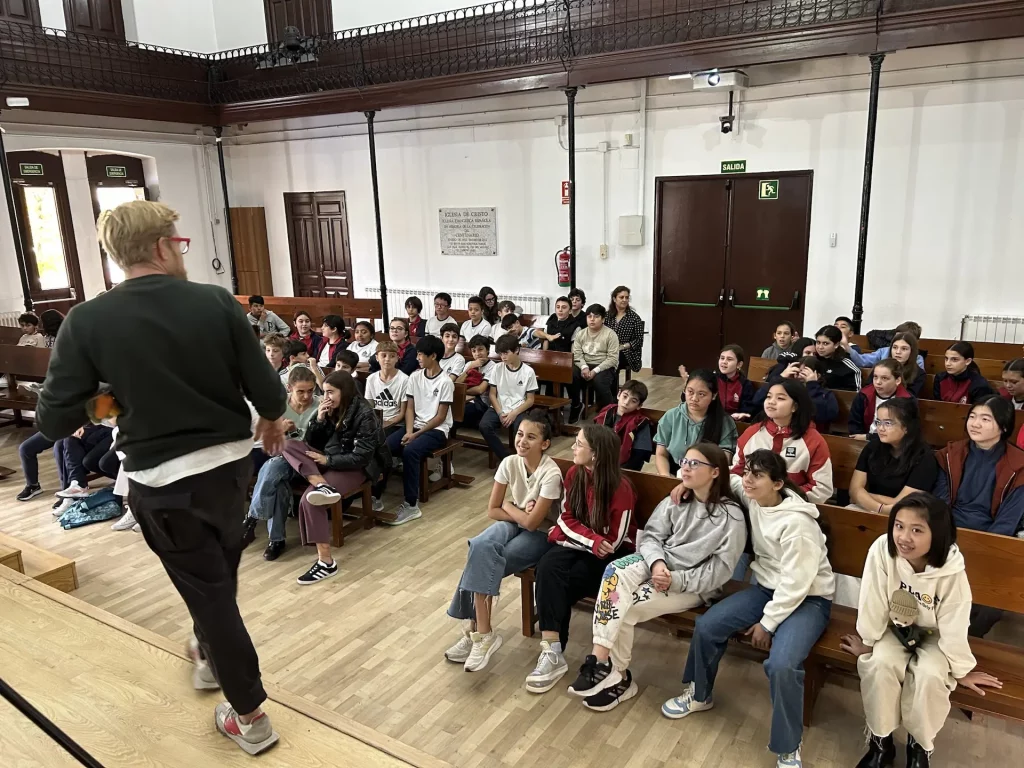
x=912 y=620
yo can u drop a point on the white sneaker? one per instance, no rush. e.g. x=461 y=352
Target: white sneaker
x=551 y=665
x=685 y=704
x=484 y=647
x=434 y=476
x=790 y=760
x=63 y=507
x=378 y=504
x=74 y=491
x=127 y=521
x=203 y=678
x=405 y=513
x=136 y=528
x=459 y=652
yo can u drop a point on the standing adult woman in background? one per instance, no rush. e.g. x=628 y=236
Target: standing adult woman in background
x=628 y=327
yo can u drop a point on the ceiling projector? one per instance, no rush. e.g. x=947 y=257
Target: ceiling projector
x=727 y=81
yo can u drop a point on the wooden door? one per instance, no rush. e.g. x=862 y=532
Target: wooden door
x=23 y=11
x=252 y=251
x=95 y=17
x=766 y=277
x=691 y=233
x=318 y=243
x=311 y=17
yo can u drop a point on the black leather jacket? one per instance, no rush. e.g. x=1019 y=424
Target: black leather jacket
x=358 y=443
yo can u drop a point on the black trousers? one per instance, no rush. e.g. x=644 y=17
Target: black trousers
x=564 y=577
x=194 y=526
x=983 y=618
x=605 y=385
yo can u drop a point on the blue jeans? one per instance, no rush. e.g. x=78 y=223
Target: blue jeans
x=412 y=457
x=29 y=452
x=791 y=644
x=272 y=496
x=494 y=432
x=500 y=550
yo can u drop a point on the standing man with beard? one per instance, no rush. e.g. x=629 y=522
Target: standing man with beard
x=185 y=430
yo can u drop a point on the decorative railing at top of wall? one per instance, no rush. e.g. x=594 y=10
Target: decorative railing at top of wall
x=513 y=33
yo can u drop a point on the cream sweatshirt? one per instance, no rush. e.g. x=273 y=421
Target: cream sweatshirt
x=789 y=554
x=943 y=601
x=598 y=352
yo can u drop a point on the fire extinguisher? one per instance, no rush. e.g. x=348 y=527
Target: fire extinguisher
x=563 y=264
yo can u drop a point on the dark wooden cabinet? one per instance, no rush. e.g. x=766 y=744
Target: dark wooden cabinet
x=312 y=17
x=22 y=11
x=102 y=18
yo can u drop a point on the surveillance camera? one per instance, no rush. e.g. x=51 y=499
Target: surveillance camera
x=727 y=121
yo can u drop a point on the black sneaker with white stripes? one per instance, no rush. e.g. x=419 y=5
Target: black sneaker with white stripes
x=323 y=495
x=594 y=676
x=319 y=572
x=29 y=492
x=610 y=698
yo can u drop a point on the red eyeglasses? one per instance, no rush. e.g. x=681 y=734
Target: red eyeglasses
x=184 y=242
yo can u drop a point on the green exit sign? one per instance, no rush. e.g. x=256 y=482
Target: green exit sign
x=734 y=166
x=31 y=169
x=768 y=190
x=116 y=172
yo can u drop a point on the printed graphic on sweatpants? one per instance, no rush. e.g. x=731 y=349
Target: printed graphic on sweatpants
x=608 y=597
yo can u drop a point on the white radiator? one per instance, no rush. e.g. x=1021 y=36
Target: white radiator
x=10 y=319
x=1009 y=330
x=531 y=304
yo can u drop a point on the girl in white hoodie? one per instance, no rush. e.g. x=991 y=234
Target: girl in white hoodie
x=686 y=553
x=784 y=613
x=911 y=642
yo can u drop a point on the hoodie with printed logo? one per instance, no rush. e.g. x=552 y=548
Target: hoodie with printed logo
x=808 y=462
x=943 y=601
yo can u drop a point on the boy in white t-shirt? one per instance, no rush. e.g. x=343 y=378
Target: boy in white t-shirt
x=504 y=308
x=476 y=325
x=365 y=345
x=527 y=336
x=428 y=419
x=524 y=503
x=387 y=388
x=512 y=392
x=474 y=376
x=451 y=362
x=442 y=303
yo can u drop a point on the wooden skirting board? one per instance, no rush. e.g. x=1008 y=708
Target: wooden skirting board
x=109 y=684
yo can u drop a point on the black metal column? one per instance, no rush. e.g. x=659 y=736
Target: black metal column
x=865 y=194
x=19 y=246
x=227 y=210
x=376 y=216
x=570 y=95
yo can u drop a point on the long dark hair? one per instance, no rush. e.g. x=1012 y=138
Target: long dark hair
x=764 y=461
x=940 y=521
x=604 y=479
x=720 y=493
x=51 y=321
x=834 y=335
x=490 y=313
x=912 y=447
x=909 y=369
x=344 y=383
x=963 y=348
x=612 y=310
x=803 y=417
x=713 y=420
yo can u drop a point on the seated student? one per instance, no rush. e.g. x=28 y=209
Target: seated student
x=840 y=371
x=699 y=417
x=365 y=346
x=30 y=335
x=784 y=613
x=523 y=505
x=441 y=318
x=961 y=382
x=50 y=321
x=398 y=331
x=295 y=356
x=903 y=350
x=785 y=334
x=788 y=429
x=595 y=356
x=334 y=341
x=475 y=376
x=476 y=325
x=578 y=300
x=560 y=329
x=273 y=345
x=636 y=436
x=1013 y=383
x=735 y=391
x=490 y=299
x=265 y=320
x=528 y=337
x=811 y=374
x=513 y=387
x=29 y=451
x=595 y=527
x=798 y=349
x=504 y=308
x=451 y=362
x=387 y=387
x=895 y=465
x=428 y=418
x=886 y=384
x=304 y=332
x=686 y=554
x=868 y=359
x=348 y=361
x=911 y=643
x=416 y=325
x=845 y=326
x=76 y=457
x=344 y=447
x=271 y=496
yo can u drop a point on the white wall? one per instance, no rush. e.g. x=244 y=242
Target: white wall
x=184 y=24
x=239 y=23
x=51 y=14
x=348 y=14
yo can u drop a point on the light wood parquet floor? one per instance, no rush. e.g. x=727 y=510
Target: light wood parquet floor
x=369 y=644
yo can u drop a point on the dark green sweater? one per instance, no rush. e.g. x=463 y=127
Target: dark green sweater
x=178 y=356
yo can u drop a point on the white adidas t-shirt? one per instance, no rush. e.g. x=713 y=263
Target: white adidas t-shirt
x=468 y=331
x=387 y=396
x=454 y=365
x=365 y=351
x=512 y=385
x=545 y=483
x=428 y=395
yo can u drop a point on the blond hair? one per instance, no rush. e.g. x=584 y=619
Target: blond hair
x=129 y=231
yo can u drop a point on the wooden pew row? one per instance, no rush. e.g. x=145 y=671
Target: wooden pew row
x=990 y=369
x=992 y=568
x=9 y=335
x=991 y=350
x=21 y=364
x=348 y=308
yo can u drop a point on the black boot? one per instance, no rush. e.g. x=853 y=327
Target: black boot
x=273 y=550
x=249 y=531
x=881 y=753
x=916 y=755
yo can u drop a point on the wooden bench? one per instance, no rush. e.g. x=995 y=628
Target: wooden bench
x=990 y=350
x=9 y=335
x=348 y=308
x=48 y=568
x=844 y=452
x=992 y=567
x=448 y=478
x=25 y=364
x=340 y=528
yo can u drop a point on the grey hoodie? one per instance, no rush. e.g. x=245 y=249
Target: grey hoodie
x=699 y=547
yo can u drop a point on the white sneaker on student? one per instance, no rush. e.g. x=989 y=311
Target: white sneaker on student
x=459 y=652
x=323 y=495
x=63 y=507
x=405 y=513
x=203 y=678
x=137 y=528
x=551 y=666
x=790 y=760
x=684 y=705
x=484 y=647
x=74 y=491
x=378 y=504
x=126 y=521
